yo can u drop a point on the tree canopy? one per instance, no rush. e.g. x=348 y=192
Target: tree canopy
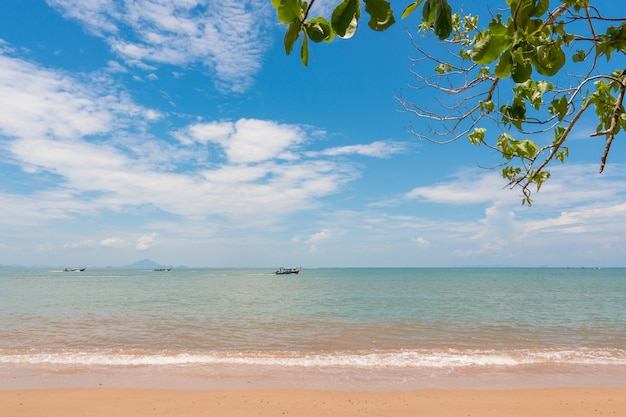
x=507 y=75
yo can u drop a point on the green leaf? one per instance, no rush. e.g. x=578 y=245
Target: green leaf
x=443 y=20
x=579 y=56
x=487 y=106
x=503 y=67
x=443 y=68
x=541 y=7
x=514 y=114
x=411 y=8
x=381 y=14
x=510 y=172
x=477 y=136
x=319 y=30
x=304 y=51
x=289 y=11
x=523 y=13
x=521 y=71
x=428 y=11
x=532 y=30
x=524 y=148
x=490 y=43
x=549 y=59
x=488 y=49
x=559 y=131
x=560 y=156
x=539 y=177
x=559 y=107
x=503 y=143
x=345 y=18
x=292 y=35
x=497 y=28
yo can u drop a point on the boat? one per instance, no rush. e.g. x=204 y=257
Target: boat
x=74 y=269
x=287 y=271
x=162 y=269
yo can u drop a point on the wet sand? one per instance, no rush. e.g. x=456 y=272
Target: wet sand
x=229 y=391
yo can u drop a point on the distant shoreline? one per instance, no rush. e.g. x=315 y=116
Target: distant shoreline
x=273 y=268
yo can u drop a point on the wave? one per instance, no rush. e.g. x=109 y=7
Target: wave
x=446 y=358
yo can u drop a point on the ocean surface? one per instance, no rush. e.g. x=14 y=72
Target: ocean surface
x=390 y=325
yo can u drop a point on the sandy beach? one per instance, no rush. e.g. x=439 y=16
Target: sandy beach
x=570 y=402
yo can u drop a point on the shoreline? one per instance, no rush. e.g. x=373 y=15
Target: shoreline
x=106 y=402
x=232 y=391
x=230 y=376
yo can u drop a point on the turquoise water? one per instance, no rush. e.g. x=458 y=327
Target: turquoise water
x=406 y=319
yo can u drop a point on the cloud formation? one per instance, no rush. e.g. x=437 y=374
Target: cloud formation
x=92 y=141
x=223 y=36
x=147 y=241
x=113 y=242
x=379 y=149
x=246 y=140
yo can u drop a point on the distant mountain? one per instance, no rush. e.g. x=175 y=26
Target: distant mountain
x=145 y=264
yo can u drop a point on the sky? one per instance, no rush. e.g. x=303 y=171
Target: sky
x=180 y=132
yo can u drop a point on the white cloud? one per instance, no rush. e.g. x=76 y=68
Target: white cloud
x=319 y=237
x=113 y=242
x=482 y=186
x=217 y=132
x=38 y=102
x=246 y=140
x=379 y=149
x=421 y=242
x=465 y=187
x=224 y=36
x=58 y=126
x=568 y=225
x=315 y=240
x=81 y=244
x=115 y=67
x=147 y=241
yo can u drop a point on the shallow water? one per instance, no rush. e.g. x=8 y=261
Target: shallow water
x=403 y=321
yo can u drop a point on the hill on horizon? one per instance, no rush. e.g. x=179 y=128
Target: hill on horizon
x=146 y=264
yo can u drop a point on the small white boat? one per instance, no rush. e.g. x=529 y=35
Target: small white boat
x=286 y=271
x=74 y=269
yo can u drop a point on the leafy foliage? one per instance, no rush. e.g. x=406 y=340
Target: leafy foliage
x=505 y=73
x=345 y=18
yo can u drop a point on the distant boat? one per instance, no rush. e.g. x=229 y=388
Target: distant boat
x=74 y=269
x=162 y=269
x=286 y=271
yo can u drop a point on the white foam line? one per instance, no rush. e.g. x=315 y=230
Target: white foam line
x=403 y=359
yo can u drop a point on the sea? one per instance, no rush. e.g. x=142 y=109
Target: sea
x=339 y=328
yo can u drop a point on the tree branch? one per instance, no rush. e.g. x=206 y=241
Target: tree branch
x=610 y=133
x=306 y=12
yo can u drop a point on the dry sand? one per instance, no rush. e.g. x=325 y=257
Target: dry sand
x=105 y=402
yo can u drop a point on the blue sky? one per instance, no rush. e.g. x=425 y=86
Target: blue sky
x=180 y=132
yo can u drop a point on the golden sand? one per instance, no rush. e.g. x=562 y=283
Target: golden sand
x=104 y=402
